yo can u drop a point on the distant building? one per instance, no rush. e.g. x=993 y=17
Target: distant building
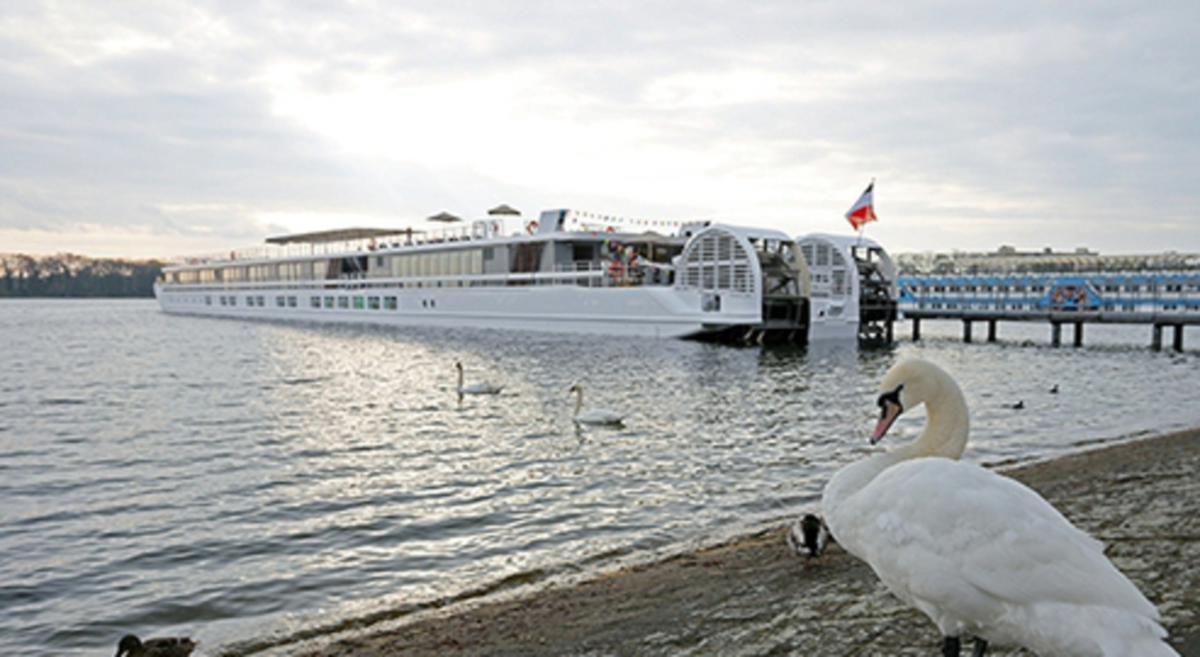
x=1008 y=260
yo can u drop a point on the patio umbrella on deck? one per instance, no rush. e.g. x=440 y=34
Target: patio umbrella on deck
x=444 y=217
x=504 y=209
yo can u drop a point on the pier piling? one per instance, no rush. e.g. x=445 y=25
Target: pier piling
x=1177 y=323
x=1156 y=340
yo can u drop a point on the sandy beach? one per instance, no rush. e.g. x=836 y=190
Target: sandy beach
x=755 y=597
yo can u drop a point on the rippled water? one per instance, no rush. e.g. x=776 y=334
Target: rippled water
x=246 y=483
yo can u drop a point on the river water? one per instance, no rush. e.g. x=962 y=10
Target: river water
x=250 y=483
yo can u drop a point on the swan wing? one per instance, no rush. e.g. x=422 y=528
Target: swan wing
x=480 y=389
x=599 y=416
x=1036 y=554
x=904 y=525
x=952 y=538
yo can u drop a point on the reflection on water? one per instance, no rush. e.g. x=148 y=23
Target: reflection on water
x=245 y=482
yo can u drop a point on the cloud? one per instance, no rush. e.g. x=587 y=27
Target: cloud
x=216 y=123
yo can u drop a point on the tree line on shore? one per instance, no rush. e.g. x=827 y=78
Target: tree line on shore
x=69 y=275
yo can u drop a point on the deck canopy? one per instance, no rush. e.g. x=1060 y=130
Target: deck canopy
x=504 y=210
x=339 y=235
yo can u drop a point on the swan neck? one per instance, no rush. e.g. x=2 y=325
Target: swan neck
x=946 y=427
x=944 y=435
x=578 y=400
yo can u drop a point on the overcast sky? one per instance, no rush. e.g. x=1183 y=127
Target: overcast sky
x=167 y=128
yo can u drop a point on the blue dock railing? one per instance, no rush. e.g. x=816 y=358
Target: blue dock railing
x=1159 y=299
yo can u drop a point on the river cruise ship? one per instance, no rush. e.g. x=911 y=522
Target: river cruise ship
x=567 y=272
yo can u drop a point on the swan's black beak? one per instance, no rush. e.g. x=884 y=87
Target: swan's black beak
x=890 y=408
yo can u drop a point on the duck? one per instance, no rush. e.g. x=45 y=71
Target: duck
x=982 y=555
x=131 y=646
x=600 y=416
x=482 y=388
x=808 y=535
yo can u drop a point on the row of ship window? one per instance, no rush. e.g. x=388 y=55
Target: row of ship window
x=339 y=302
x=448 y=263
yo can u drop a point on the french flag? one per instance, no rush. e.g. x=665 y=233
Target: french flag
x=863 y=210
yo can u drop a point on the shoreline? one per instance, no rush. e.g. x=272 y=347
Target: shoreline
x=753 y=596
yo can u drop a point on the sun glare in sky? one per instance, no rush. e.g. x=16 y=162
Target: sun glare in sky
x=518 y=129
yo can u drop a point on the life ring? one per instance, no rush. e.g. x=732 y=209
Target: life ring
x=616 y=270
x=531 y=227
x=610 y=229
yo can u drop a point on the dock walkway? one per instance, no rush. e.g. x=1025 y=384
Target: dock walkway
x=1159 y=300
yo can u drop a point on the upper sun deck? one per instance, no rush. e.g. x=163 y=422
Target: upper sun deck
x=507 y=225
x=504 y=249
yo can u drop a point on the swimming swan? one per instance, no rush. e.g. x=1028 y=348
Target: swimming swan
x=980 y=554
x=595 y=415
x=131 y=646
x=475 y=388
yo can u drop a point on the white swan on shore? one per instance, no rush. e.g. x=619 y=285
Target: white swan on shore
x=595 y=415
x=980 y=554
x=482 y=388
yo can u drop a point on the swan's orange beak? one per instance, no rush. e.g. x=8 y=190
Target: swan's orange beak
x=889 y=411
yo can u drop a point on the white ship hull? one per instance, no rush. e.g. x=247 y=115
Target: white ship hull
x=640 y=312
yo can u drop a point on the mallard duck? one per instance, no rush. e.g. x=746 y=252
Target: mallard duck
x=131 y=646
x=808 y=535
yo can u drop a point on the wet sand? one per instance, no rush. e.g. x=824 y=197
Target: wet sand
x=755 y=597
